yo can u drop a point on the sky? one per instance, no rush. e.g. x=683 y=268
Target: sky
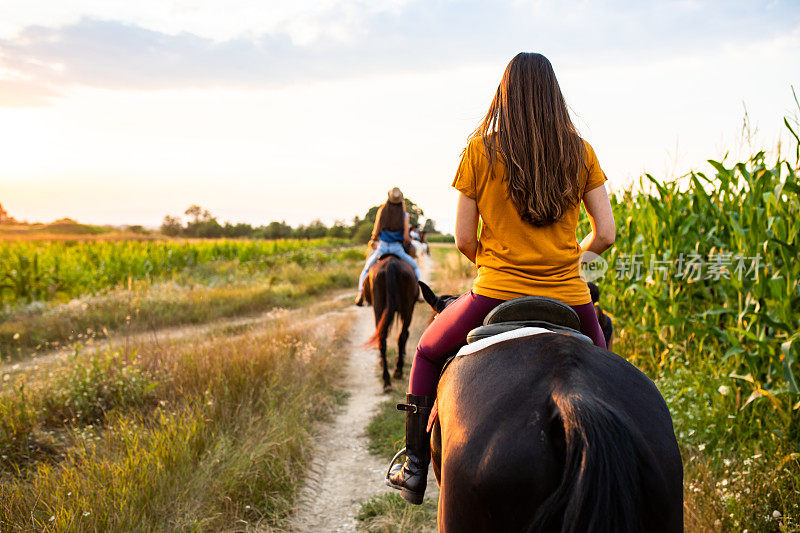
x=120 y=112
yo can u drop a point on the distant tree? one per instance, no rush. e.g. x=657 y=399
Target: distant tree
x=171 y=226
x=277 y=230
x=316 y=230
x=300 y=232
x=203 y=223
x=5 y=218
x=363 y=232
x=339 y=230
x=370 y=215
x=137 y=228
x=414 y=211
x=194 y=211
x=209 y=229
x=430 y=226
x=237 y=230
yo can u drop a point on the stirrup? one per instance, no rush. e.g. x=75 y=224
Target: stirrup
x=394 y=462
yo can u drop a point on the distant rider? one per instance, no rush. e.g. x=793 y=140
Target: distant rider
x=392 y=228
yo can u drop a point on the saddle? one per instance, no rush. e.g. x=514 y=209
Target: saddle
x=529 y=311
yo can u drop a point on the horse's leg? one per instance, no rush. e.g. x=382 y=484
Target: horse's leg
x=409 y=301
x=387 y=381
x=401 y=349
x=378 y=308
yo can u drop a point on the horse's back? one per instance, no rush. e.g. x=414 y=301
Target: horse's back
x=504 y=416
x=392 y=273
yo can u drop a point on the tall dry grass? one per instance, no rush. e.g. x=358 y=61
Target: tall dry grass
x=196 y=295
x=207 y=434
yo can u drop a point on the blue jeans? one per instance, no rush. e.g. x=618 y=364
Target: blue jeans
x=384 y=248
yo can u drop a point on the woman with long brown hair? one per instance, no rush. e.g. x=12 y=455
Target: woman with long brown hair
x=390 y=233
x=524 y=174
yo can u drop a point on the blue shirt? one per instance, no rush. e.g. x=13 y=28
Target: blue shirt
x=391 y=236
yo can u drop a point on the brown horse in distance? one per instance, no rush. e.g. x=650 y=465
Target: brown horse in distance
x=391 y=288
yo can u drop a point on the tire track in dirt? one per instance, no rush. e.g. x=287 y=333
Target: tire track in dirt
x=343 y=474
x=166 y=334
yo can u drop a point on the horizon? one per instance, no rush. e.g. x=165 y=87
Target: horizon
x=120 y=115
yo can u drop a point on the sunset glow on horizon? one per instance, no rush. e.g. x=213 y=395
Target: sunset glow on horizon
x=112 y=113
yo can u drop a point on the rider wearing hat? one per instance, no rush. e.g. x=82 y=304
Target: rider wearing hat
x=391 y=230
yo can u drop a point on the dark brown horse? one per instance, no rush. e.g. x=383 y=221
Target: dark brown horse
x=549 y=433
x=391 y=288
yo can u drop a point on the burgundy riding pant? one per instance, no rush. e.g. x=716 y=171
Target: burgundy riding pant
x=448 y=332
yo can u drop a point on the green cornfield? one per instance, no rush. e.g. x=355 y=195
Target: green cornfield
x=704 y=274
x=55 y=270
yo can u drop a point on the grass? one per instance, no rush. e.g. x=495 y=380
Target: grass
x=201 y=294
x=45 y=271
x=739 y=474
x=722 y=348
x=386 y=430
x=389 y=513
x=207 y=434
x=454 y=273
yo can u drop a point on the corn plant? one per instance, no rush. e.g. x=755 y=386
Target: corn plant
x=743 y=312
x=46 y=270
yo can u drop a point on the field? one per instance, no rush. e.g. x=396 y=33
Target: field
x=194 y=435
x=108 y=423
x=191 y=432
x=713 y=317
x=46 y=271
x=55 y=292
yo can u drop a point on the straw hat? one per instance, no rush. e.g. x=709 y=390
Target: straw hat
x=396 y=196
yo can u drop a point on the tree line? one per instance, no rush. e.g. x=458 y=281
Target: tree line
x=201 y=223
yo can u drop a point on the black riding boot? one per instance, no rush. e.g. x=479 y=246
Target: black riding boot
x=412 y=476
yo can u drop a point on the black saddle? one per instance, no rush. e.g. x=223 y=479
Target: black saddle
x=529 y=311
x=385 y=256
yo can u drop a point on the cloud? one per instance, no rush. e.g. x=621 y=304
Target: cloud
x=347 y=38
x=302 y=20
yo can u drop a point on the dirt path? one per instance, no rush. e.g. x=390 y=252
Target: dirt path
x=343 y=474
x=169 y=334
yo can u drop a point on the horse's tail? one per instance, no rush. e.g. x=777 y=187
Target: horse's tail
x=601 y=487
x=392 y=287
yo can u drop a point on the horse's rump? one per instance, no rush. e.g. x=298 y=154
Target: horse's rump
x=549 y=433
x=392 y=285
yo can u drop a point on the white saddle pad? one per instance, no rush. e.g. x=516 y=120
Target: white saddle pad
x=500 y=337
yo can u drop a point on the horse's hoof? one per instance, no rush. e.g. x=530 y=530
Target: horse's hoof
x=398 y=374
x=387 y=387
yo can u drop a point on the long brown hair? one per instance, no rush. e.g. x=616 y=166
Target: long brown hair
x=529 y=125
x=392 y=217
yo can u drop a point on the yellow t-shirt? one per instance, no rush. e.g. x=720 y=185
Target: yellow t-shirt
x=516 y=258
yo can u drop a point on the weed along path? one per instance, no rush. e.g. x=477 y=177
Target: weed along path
x=343 y=474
